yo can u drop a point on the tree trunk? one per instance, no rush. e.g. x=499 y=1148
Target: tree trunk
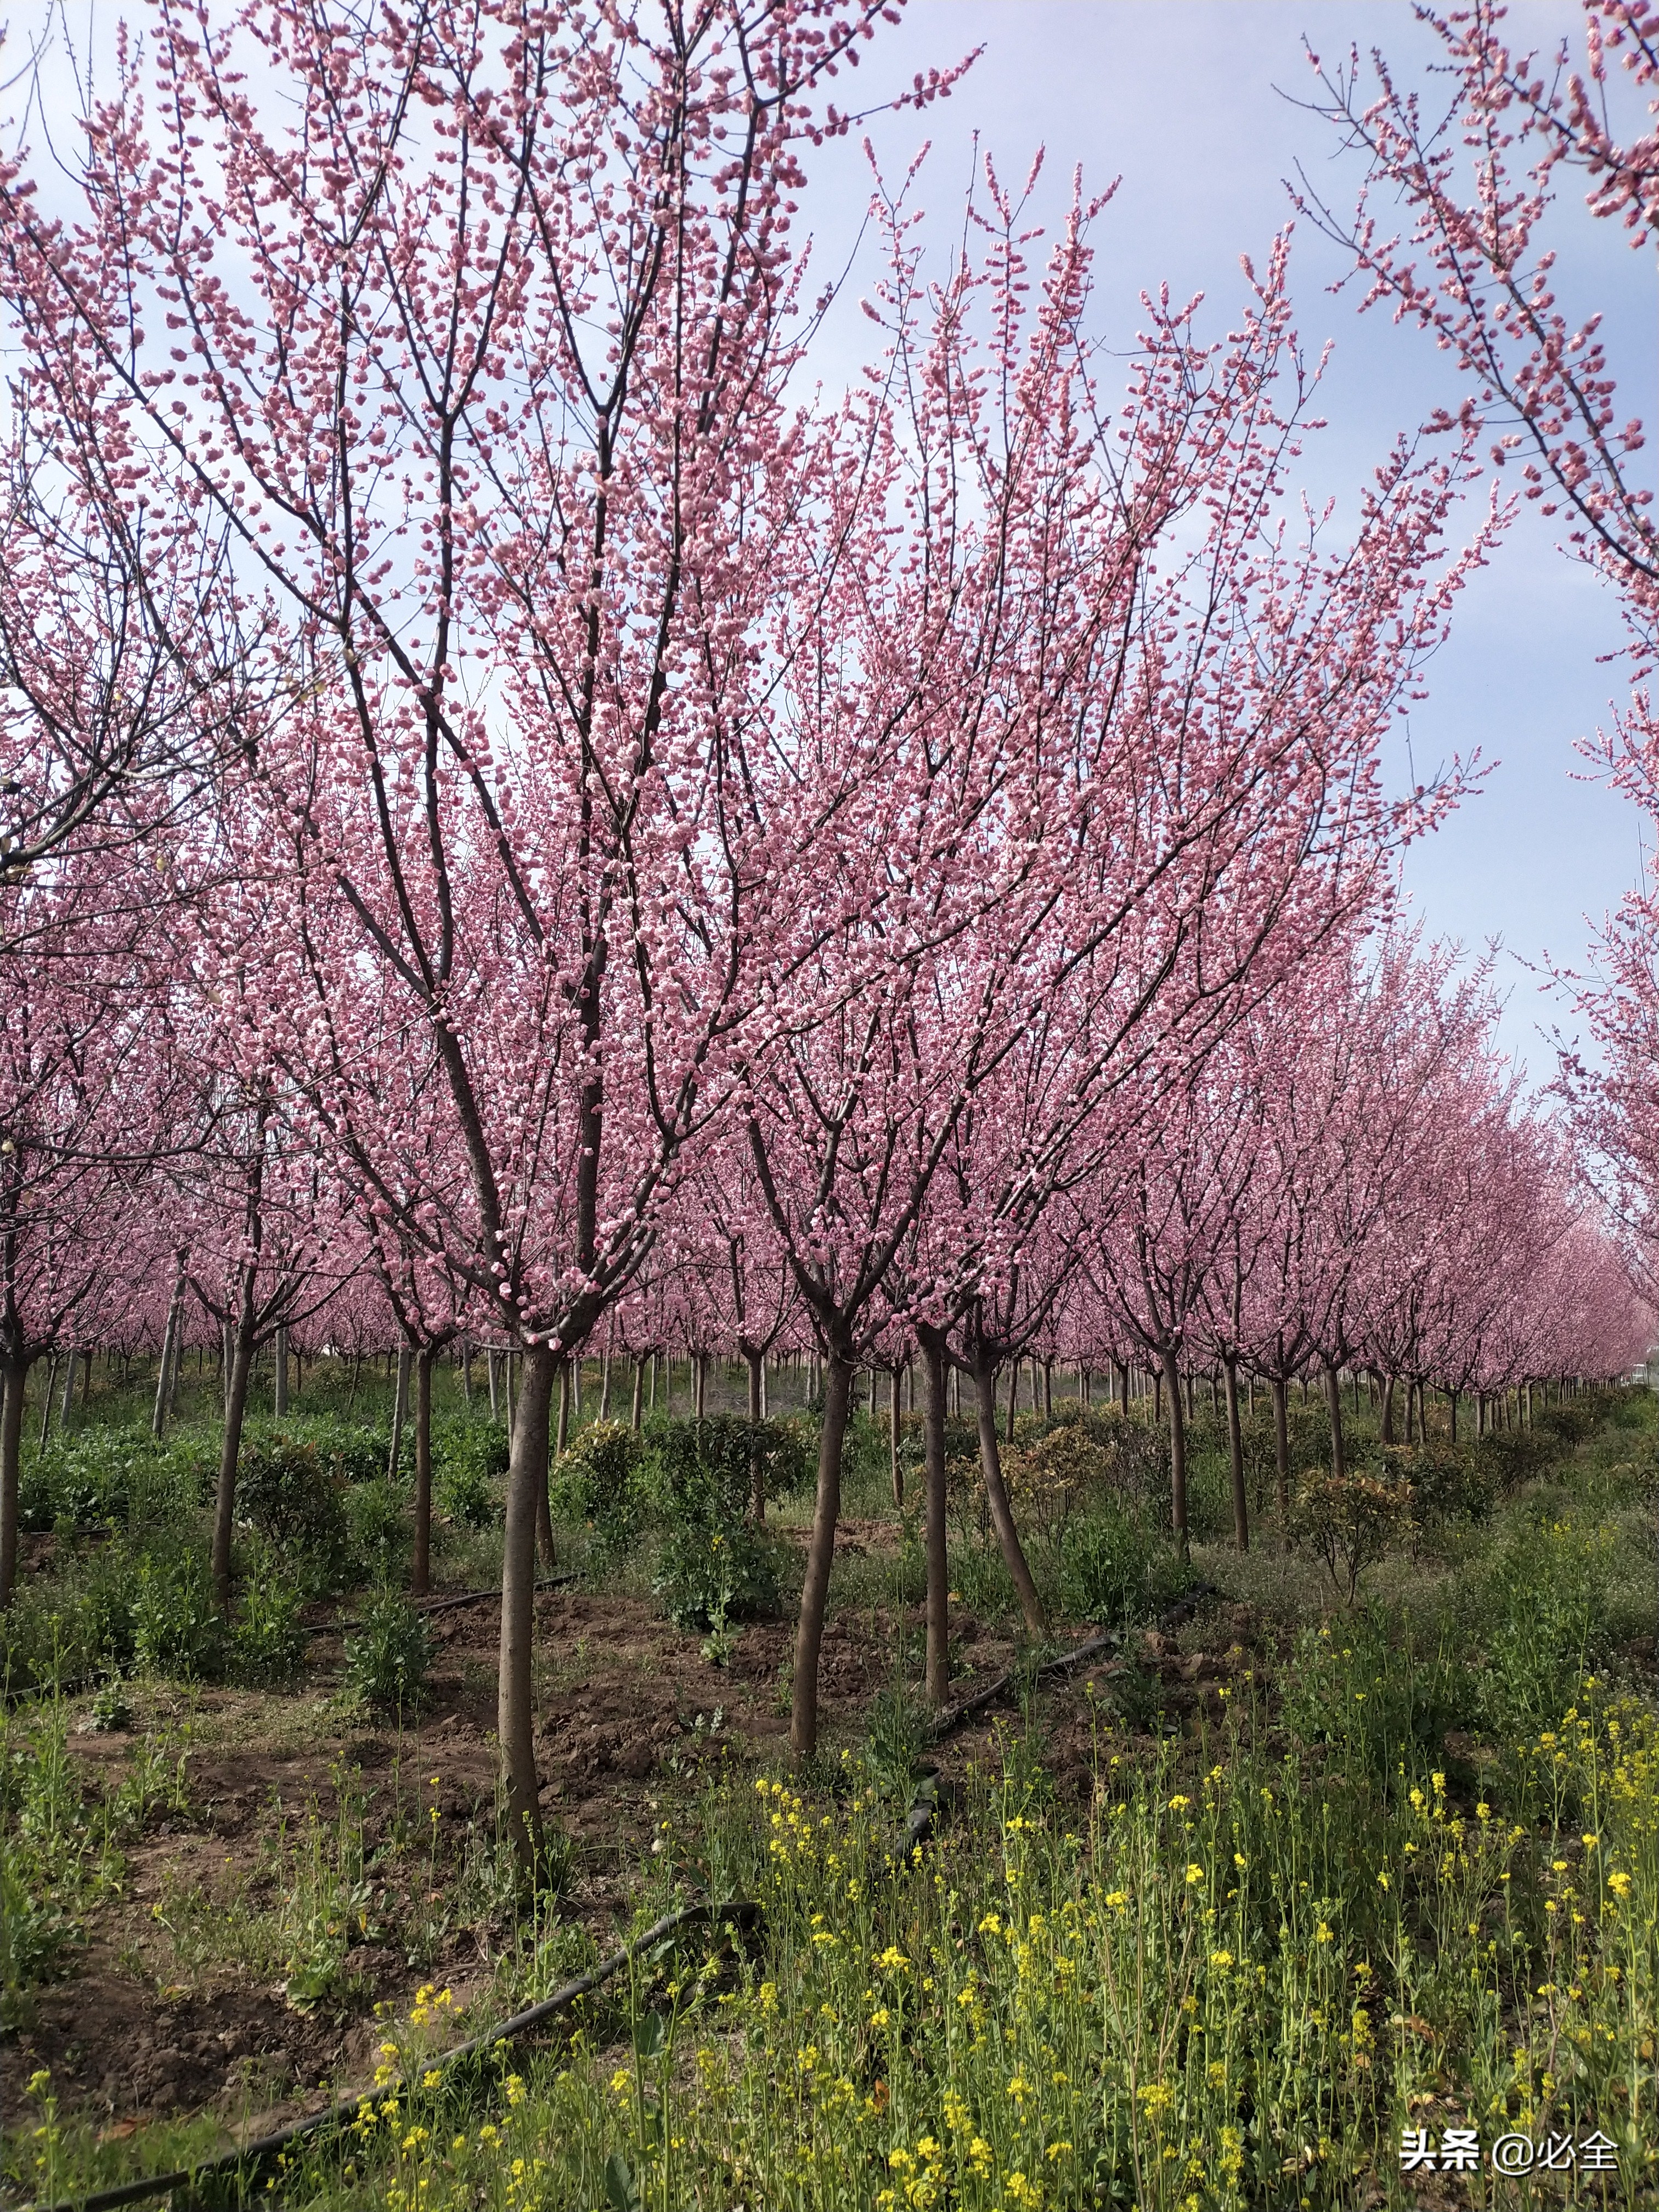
x=1124 y=1387
x=1013 y=1399
x=1333 y=1399
x=699 y=1384
x=895 y=1464
x=495 y=1386
x=399 y=1413
x=45 y=1408
x=1047 y=1389
x=279 y=1396
x=1386 y=1433
x=839 y=1374
x=68 y=1398
x=230 y=1451
x=1235 y=1455
x=1177 y=1450
x=526 y=1479
x=1451 y=1399
x=13 y=1379
x=636 y=1411
x=158 y=1419
x=996 y=1491
x=756 y=1453
x=938 y=1591
x=1281 y=1449
x=604 y=1386
x=653 y=1382
x=466 y=1371
x=564 y=1436
x=421 y=1577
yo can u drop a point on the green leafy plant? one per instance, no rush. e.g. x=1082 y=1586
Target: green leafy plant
x=599 y=1479
x=378 y=1531
x=176 y=1629
x=707 y=1579
x=1105 y=1563
x=1351 y=1520
x=293 y=1497
x=386 y=1660
x=268 y=1641
x=111 y=1709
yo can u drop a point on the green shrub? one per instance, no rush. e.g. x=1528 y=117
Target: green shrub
x=470 y=1459
x=88 y=1479
x=379 y=1531
x=701 y=1472
x=268 y=1642
x=1448 y=1481
x=1351 y=1520
x=293 y=1497
x=600 y=1479
x=176 y=1630
x=707 y=1577
x=386 y=1660
x=104 y=1625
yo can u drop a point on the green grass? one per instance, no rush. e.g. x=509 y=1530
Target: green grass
x=1403 y=1873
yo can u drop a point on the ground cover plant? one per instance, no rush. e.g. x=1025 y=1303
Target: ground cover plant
x=1215 y=1922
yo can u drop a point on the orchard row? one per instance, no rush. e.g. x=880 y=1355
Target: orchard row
x=527 y=824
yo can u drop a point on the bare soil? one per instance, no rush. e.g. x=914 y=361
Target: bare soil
x=632 y=1722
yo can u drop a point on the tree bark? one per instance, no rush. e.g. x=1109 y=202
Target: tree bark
x=45 y=1408
x=230 y=1451
x=636 y=1411
x=757 y=1361
x=1235 y=1455
x=563 y=1435
x=420 y=1576
x=1333 y=1399
x=1386 y=1429
x=514 y=1712
x=996 y=1491
x=67 y=1402
x=399 y=1413
x=1281 y=1449
x=604 y=1386
x=939 y=1593
x=897 y=1464
x=279 y=1396
x=1171 y=1377
x=13 y=1379
x=158 y=1419
x=839 y=1373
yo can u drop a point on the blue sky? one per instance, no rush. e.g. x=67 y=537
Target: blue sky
x=1185 y=100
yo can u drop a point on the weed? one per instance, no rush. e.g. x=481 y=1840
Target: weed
x=176 y=1628
x=386 y=1660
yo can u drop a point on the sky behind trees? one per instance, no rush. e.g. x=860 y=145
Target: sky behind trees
x=1193 y=104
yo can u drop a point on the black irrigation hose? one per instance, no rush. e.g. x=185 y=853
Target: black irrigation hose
x=241 y=2164
x=427 y=1605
